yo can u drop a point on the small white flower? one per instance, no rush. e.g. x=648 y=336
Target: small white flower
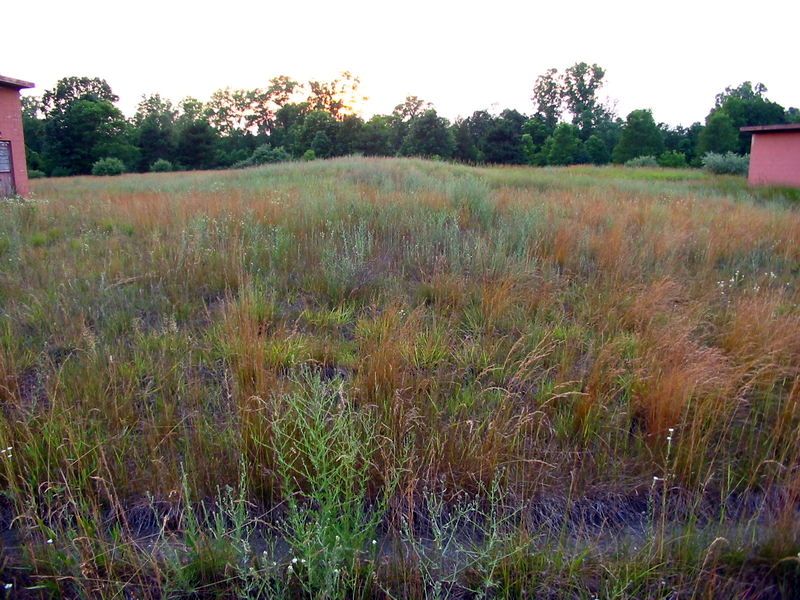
x=8 y=586
x=294 y=561
x=303 y=561
x=50 y=540
x=374 y=542
x=289 y=569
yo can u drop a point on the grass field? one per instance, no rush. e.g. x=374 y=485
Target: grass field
x=381 y=378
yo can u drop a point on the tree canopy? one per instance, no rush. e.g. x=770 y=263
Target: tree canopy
x=77 y=123
x=640 y=137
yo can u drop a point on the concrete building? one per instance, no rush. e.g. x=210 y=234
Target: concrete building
x=13 y=170
x=774 y=155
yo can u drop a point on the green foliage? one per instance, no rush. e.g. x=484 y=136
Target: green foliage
x=503 y=141
x=70 y=89
x=640 y=137
x=683 y=140
x=580 y=84
x=465 y=148
x=746 y=105
x=322 y=451
x=576 y=90
x=375 y=137
x=76 y=123
x=672 y=158
x=36 y=174
x=564 y=145
x=719 y=135
x=314 y=123
x=309 y=155
x=597 y=151
x=428 y=135
x=642 y=161
x=155 y=120
x=161 y=166
x=80 y=133
x=548 y=97
x=266 y=154
x=728 y=163
x=196 y=146
x=108 y=166
x=321 y=145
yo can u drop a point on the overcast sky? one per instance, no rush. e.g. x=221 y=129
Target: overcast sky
x=671 y=57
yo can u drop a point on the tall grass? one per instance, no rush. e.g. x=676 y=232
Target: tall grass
x=575 y=383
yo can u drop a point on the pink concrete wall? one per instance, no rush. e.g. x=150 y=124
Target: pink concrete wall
x=11 y=130
x=775 y=159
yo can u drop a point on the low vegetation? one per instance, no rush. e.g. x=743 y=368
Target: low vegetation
x=392 y=378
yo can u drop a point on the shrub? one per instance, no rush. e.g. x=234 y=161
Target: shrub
x=726 y=164
x=161 y=166
x=642 y=161
x=108 y=166
x=36 y=174
x=309 y=154
x=672 y=158
x=267 y=154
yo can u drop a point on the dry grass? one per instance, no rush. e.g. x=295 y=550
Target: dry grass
x=558 y=336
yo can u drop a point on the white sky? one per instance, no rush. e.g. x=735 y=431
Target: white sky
x=671 y=57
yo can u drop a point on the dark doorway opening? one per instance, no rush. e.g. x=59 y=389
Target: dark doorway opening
x=6 y=170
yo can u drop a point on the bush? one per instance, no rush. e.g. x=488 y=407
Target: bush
x=267 y=154
x=309 y=154
x=161 y=166
x=263 y=155
x=672 y=158
x=642 y=161
x=726 y=164
x=108 y=166
x=36 y=174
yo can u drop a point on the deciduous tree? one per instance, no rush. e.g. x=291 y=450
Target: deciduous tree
x=428 y=135
x=548 y=97
x=640 y=137
x=719 y=135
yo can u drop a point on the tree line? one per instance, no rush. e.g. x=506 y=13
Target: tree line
x=76 y=125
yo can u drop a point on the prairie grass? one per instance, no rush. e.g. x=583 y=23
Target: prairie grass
x=546 y=383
